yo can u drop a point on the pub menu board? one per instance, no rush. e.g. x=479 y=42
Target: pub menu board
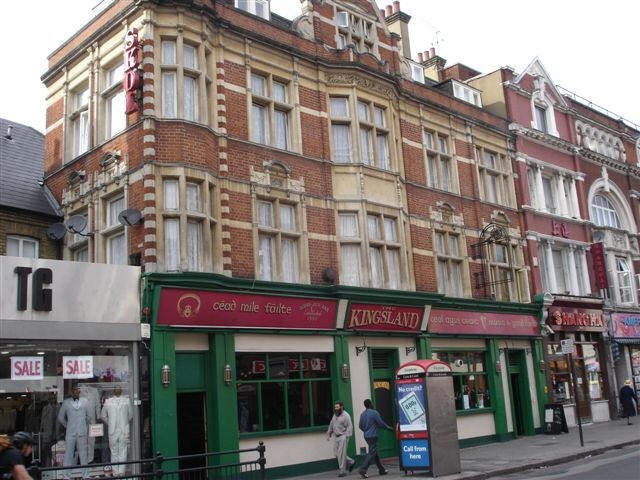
x=555 y=421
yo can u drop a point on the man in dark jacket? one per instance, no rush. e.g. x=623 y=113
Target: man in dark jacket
x=627 y=396
x=370 y=421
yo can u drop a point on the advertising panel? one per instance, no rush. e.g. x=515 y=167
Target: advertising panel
x=388 y=318
x=414 y=453
x=27 y=368
x=481 y=323
x=201 y=308
x=77 y=367
x=626 y=325
x=412 y=405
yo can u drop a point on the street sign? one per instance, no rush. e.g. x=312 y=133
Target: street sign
x=567 y=346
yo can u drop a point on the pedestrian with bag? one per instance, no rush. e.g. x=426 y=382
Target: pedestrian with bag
x=627 y=396
x=13 y=454
x=370 y=421
x=341 y=429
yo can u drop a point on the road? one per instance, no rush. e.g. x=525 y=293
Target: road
x=622 y=464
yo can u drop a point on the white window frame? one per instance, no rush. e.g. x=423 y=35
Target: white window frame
x=80 y=121
x=604 y=215
x=628 y=288
x=251 y=6
x=21 y=239
x=112 y=228
x=271 y=104
x=448 y=285
x=356 y=30
x=279 y=234
x=112 y=90
x=467 y=94
x=500 y=171
x=435 y=156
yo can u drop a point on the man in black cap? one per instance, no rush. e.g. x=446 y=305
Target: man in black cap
x=13 y=454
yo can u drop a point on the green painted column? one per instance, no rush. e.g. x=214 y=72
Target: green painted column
x=342 y=388
x=222 y=407
x=423 y=345
x=498 y=401
x=163 y=399
x=541 y=379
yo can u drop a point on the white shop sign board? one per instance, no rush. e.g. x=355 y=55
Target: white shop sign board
x=77 y=366
x=27 y=368
x=567 y=346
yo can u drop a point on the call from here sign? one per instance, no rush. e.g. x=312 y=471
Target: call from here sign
x=415 y=453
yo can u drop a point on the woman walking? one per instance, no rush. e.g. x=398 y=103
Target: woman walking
x=627 y=396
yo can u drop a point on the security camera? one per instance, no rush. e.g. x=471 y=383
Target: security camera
x=548 y=329
x=458 y=362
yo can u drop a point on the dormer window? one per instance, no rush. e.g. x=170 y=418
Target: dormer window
x=466 y=93
x=417 y=72
x=354 y=30
x=259 y=8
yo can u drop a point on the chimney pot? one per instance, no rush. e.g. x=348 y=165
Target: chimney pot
x=420 y=59
x=396 y=6
x=383 y=13
x=388 y=10
x=426 y=55
x=432 y=51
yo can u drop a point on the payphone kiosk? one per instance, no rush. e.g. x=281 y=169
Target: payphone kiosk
x=428 y=433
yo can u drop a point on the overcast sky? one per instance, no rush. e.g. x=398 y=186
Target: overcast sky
x=589 y=47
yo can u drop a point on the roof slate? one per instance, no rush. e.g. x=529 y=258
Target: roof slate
x=21 y=167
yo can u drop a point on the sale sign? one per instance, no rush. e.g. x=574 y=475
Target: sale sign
x=77 y=367
x=27 y=368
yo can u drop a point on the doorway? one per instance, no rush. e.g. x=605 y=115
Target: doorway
x=191 y=428
x=383 y=364
x=519 y=393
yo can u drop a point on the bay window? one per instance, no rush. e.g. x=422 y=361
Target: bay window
x=350 y=241
x=181 y=73
x=340 y=129
x=563 y=268
x=553 y=191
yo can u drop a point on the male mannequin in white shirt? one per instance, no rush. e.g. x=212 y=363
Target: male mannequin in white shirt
x=117 y=414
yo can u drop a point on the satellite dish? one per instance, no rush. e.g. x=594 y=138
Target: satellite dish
x=130 y=216
x=77 y=224
x=56 y=231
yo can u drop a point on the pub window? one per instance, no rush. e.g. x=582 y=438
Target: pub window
x=283 y=391
x=470 y=381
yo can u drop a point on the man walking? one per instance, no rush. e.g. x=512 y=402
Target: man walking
x=341 y=428
x=370 y=421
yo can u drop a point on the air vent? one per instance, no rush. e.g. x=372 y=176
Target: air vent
x=380 y=359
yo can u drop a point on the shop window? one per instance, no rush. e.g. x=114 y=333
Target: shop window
x=278 y=241
x=270 y=111
x=470 y=382
x=19 y=246
x=283 y=391
x=103 y=374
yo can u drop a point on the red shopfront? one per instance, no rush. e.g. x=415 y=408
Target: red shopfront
x=585 y=326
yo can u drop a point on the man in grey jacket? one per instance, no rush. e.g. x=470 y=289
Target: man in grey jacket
x=74 y=417
x=341 y=428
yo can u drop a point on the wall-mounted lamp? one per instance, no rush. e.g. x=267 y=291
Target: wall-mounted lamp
x=408 y=350
x=542 y=365
x=227 y=374
x=166 y=376
x=362 y=348
x=344 y=370
x=498 y=367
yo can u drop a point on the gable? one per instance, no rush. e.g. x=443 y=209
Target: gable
x=535 y=70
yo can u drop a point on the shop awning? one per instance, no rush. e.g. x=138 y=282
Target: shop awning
x=627 y=341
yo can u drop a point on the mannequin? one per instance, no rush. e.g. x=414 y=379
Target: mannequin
x=93 y=400
x=74 y=417
x=117 y=414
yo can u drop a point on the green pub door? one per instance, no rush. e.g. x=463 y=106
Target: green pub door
x=383 y=364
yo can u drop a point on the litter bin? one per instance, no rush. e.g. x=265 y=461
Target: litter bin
x=427 y=430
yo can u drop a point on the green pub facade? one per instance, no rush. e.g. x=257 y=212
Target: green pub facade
x=235 y=362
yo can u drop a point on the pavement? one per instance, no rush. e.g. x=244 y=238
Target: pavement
x=524 y=453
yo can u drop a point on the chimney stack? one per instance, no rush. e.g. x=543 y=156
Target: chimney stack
x=398 y=23
x=426 y=55
x=432 y=51
x=383 y=13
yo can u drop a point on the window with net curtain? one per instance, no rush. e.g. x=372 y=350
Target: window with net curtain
x=350 y=273
x=116 y=241
x=277 y=241
x=603 y=212
x=625 y=285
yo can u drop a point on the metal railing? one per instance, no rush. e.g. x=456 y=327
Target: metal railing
x=200 y=466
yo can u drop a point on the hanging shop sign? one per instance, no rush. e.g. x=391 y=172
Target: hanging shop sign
x=387 y=318
x=480 y=323
x=27 y=368
x=626 y=325
x=201 y=308
x=131 y=81
x=576 y=319
x=77 y=367
x=599 y=265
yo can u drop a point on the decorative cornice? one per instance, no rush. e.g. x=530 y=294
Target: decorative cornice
x=544 y=138
x=366 y=83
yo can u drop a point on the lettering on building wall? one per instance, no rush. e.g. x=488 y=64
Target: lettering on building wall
x=599 y=265
x=576 y=319
x=131 y=82
x=559 y=229
x=41 y=298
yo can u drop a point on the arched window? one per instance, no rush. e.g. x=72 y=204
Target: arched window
x=603 y=213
